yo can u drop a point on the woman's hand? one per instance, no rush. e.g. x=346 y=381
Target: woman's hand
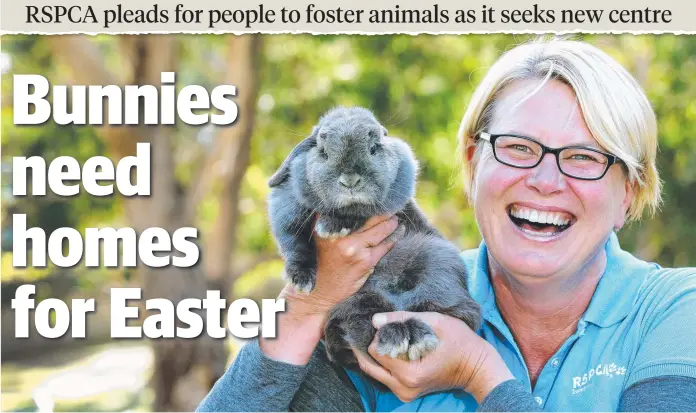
x=462 y=360
x=343 y=265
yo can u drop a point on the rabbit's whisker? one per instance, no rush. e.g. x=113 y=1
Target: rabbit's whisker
x=406 y=117
x=294 y=132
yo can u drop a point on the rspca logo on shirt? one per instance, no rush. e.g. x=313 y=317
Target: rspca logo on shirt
x=580 y=383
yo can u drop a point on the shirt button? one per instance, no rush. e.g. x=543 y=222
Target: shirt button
x=538 y=400
x=555 y=363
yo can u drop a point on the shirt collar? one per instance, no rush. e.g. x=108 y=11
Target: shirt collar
x=612 y=300
x=617 y=290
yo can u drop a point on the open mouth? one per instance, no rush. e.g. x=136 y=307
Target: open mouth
x=540 y=223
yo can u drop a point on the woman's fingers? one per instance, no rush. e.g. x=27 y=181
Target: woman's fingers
x=429 y=318
x=380 y=319
x=403 y=381
x=374 y=370
x=365 y=249
x=372 y=222
x=366 y=246
x=379 y=251
x=374 y=232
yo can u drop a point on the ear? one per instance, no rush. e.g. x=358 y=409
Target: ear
x=625 y=205
x=469 y=151
x=284 y=171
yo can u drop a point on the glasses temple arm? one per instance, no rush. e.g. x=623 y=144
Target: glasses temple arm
x=485 y=136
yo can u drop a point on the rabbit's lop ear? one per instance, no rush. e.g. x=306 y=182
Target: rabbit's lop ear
x=284 y=171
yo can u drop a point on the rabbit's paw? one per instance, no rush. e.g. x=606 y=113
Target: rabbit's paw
x=328 y=229
x=331 y=235
x=302 y=278
x=336 y=342
x=397 y=234
x=421 y=348
x=408 y=340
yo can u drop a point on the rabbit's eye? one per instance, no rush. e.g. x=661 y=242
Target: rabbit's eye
x=373 y=149
x=323 y=154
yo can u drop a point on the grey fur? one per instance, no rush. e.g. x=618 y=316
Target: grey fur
x=347 y=171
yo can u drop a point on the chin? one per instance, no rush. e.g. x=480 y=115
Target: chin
x=358 y=198
x=532 y=254
x=533 y=264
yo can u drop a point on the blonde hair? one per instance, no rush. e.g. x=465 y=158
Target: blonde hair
x=614 y=106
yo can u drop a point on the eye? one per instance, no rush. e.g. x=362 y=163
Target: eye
x=521 y=148
x=580 y=155
x=373 y=149
x=322 y=153
x=583 y=157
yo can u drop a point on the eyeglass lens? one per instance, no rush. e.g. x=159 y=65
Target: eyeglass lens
x=578 y=162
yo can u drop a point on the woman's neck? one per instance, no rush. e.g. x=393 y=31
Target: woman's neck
x=543 y=312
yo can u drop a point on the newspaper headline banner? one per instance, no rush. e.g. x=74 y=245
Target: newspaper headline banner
x=354 y=16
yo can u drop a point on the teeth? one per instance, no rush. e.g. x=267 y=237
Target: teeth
x=540 y=217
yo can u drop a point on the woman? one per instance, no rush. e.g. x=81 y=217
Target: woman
x=559 y=146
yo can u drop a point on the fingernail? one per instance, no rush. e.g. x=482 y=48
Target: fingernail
x=379 y=319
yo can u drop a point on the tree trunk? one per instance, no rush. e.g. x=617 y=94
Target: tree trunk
x=243 y=65
x=185 y=369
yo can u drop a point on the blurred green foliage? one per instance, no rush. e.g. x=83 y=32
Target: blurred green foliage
x=418 y=86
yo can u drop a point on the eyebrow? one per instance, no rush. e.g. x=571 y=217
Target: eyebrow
x=583 y=144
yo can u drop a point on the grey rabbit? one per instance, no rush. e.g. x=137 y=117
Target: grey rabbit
x=347 y=171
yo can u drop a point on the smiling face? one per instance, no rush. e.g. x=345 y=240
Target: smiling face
x=538 y=222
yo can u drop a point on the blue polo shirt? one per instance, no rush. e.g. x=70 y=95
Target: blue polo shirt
x=641 y=323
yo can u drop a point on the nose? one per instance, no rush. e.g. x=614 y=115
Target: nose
x=546 y=178
x=349 y=180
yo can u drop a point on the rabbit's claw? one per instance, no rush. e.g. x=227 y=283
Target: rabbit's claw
x=302 y=279
x=409 y=340
x=326 y=230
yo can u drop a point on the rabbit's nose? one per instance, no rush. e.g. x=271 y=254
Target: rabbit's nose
x=349 y=180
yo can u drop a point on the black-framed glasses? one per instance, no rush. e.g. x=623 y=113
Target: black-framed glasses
x=580 y=162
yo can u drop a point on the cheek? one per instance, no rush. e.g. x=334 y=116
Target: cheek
x=600 y=202
x=493 y=180
x=492 y=183
x=320 y=175
x=383 y=178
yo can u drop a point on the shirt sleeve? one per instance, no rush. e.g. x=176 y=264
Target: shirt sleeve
x=666 y=339
x=326 y=388
x=509 y=396
x=256 y=382
x=660 y=394
x=253 y=383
